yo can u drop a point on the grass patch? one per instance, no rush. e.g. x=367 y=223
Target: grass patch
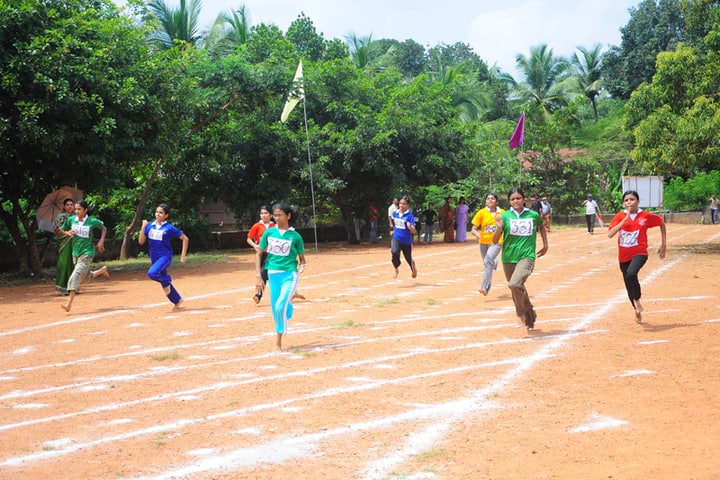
x=349 y=323
x=431 y=454
x=138 y=264
x=387 y=301
x=161 y=357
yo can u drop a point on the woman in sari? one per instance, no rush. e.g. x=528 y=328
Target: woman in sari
x=64 y=266
x=447 y=221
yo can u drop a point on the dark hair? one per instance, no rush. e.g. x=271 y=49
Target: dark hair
x=516 y=190
x=631 y=192
x=491 y=194
x=83 y=204
x=265 y=207
x=406 y=198
x=290 y=210
x=165 y=208
x=68 y=200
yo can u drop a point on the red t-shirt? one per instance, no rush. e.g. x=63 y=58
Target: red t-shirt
x=632 y=238
x=257 y=230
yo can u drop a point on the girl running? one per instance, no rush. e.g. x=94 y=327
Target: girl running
x=402 y=236
x=633 y=224
x=519 y=226
x=484 y=227
x=160 y=232
x=253 y=239
x=284 y=248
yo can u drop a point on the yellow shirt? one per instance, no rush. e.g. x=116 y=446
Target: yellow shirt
x=484 y=220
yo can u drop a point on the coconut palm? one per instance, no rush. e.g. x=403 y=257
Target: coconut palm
x=176 y=24
x=470 y=100
x=229 y=31
x=587 y=73
x=547 y=79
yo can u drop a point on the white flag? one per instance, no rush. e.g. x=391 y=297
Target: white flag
x=297 y=94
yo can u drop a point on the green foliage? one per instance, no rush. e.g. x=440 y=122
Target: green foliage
x=693 y=193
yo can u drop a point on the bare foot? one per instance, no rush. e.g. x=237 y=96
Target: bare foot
x=638 y=311
x=177 y=305
x=396 y=273
x=299 y=295
x=278 y=343
x=65 y=307
x=102 y=271
x=483 y=292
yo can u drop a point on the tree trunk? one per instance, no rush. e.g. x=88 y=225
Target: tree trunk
x=127 y=237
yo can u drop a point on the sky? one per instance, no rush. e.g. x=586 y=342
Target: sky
x=496 y=30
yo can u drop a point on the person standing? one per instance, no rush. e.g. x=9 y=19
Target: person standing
x=632 y=225
x=447 y=221
x=160 y=233
x=519 y=226
x=430 y=216
x=461 y=220
x=81 y=228
x=253 y=239
x=64 y=265
x=402 y=237
x=714 y=205
x=285 y=248
x=392 y=209
x=546 y=212
x=417 y=216
x=535 y=204
x=591 y=211
x=373 y=215
x=484 y=227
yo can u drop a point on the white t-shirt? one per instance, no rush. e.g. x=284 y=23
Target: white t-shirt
x=590 y=207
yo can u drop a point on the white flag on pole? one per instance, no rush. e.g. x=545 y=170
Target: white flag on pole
x=297 y=94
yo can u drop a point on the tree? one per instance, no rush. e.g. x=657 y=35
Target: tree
x=77 y=105
x=546 y=79
x=176 y=24
x=588 y=73
x=654 y=26
x=309 y=45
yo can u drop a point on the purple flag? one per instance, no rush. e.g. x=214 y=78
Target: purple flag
x=517 y=137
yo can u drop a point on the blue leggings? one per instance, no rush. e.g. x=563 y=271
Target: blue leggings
x=283 y=286
x=158 y=273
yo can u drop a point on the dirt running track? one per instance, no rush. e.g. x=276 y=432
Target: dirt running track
x=382 y=378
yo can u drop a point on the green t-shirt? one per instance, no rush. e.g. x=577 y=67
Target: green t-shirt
x=83 y=239
x=282 y=249
x=520 y=235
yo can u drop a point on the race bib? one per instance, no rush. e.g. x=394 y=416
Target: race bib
x=490 y=228
x=522 y=227
x=81 y=231
x=279 y=246
x=155 y=234
x=628 y=239
x=400 y=223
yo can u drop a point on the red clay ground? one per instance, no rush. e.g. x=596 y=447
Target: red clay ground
x=382 y=378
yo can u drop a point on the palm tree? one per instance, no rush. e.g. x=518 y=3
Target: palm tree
x=363 y=50
x=587 y=73
x=469 y=99
x=176 y=24
x=229 y=31
x=547 y=79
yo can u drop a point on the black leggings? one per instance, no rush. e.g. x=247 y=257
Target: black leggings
x=406 y=249
x=630 y=272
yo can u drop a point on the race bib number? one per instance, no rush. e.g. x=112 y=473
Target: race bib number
x=155 y=234
x=279 y=246
x=628 y=239
x=490 y=228
x=399 y=223
x=522 y=227
x=81 y=231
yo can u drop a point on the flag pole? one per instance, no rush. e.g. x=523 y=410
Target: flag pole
x=312 y=187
